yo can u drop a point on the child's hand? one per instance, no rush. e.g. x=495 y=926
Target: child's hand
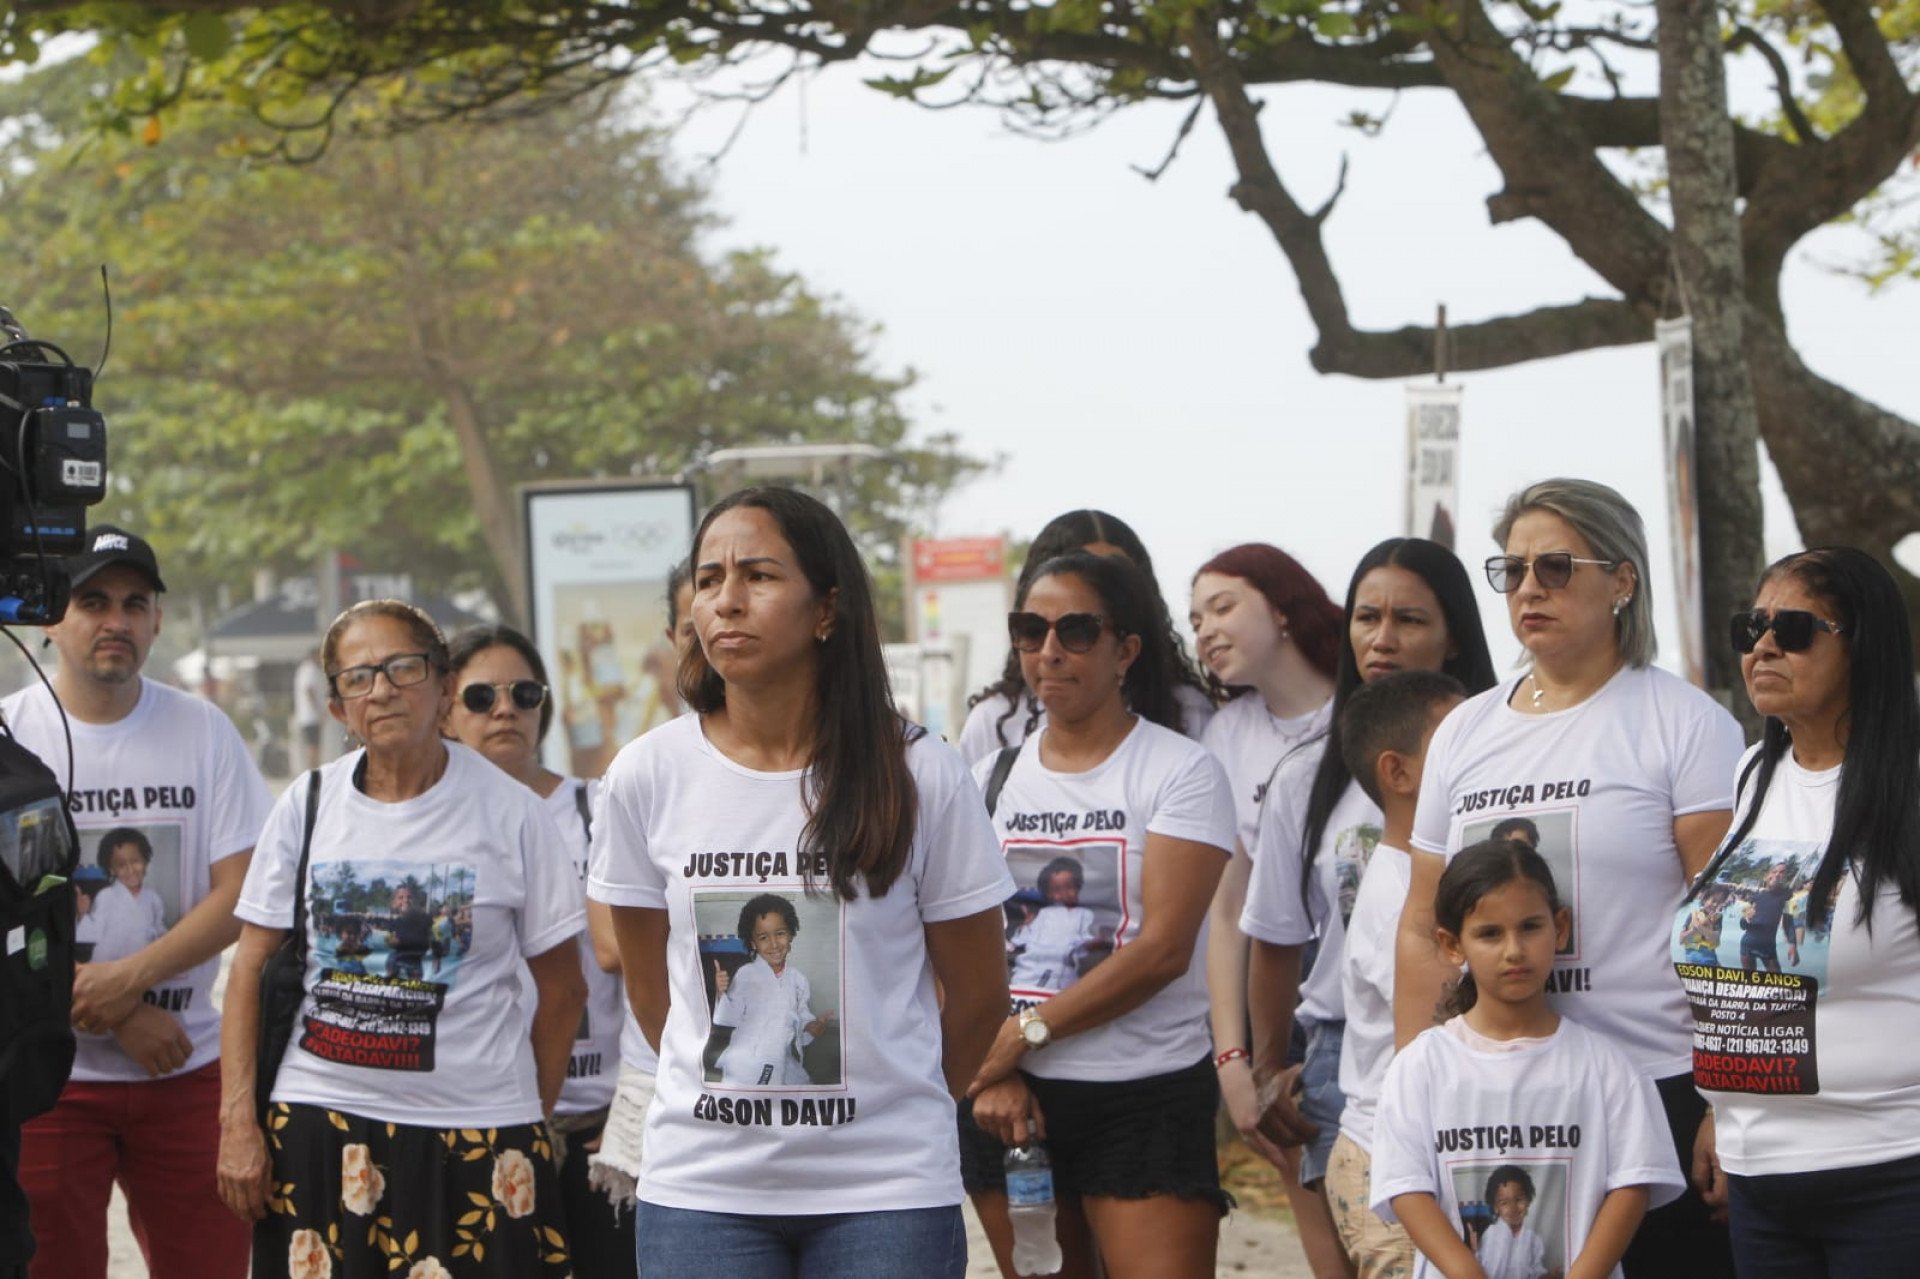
x=720 y=979
x=1280 y=1119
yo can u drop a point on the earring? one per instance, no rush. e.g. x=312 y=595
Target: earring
x=1620 y=605
x=822 y=637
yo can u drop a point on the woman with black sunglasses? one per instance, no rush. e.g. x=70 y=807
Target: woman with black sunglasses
x=1007 y=712
x=1625 y=772
x=502 y=708
x=1815 y=1089
x=1106 y=1056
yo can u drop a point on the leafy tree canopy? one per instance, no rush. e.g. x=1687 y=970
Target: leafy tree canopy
x=368 y=352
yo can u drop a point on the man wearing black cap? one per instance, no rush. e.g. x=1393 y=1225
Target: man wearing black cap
x=143 y=1103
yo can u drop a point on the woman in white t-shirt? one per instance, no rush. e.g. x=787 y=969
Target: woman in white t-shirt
x=796 y=786
x=1006 y=712
x=1810 y=1061
x=1620 y=775
x=1269 y=639
x=411 y=1095
x=502 y=707
x=1109 y=1063
x=1409 y=606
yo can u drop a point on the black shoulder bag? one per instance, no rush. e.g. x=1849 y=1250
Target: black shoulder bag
x=283 y=979
x=997 y=779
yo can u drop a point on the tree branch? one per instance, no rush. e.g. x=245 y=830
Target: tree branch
x=1490 y=344
x=1867 y=53
x=1745 y=37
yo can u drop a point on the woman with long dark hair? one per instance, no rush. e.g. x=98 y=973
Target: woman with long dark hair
x=1625 y=772
x=1109 y=1064
x=1006 y=712
x=1269 y=639
x=1409 y=606
x=797 y=777
x=1815 y=1092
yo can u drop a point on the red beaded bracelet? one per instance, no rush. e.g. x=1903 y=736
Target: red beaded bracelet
x=1231 y=1054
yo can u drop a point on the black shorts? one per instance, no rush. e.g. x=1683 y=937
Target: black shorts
x=1131 y=1139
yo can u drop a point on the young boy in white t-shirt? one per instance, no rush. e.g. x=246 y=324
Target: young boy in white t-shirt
x=1384 y=730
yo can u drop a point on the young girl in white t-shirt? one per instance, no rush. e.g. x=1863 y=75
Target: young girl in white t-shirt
x=1513 y=1144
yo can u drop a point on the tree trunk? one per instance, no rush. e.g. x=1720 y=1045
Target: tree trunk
x=1697 y=134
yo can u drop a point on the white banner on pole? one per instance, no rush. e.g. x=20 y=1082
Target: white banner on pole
x=598 y=556
x=1433 y=461
x=1674 y=341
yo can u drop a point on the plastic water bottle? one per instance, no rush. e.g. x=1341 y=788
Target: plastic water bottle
x=1036 y=1247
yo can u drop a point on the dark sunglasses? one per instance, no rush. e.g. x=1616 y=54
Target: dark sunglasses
x=527 y=695
x=1078 y=632
x=1506 y=573
x=1792 y=629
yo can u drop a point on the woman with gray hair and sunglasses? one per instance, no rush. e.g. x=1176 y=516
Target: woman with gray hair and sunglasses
x=1626 y=773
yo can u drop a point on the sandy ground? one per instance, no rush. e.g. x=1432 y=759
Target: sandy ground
x=1249 y=1245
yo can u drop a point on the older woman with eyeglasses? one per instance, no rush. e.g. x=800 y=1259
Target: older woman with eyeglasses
x=1624 y=771
x=502 y=708
x=404 y=1132
x=1815 y=1089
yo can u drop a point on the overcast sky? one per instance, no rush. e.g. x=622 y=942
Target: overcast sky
x=1141 y=347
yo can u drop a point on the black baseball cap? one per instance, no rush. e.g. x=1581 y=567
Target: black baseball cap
x=109 y=545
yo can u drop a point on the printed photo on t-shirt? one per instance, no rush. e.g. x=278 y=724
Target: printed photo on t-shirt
x=1752 y=952
x=772 y=964
x=389 y=938
x=1064 y=917
x=1514 y=1216
x=1551 y=833
x=130 y=895
x=1352 y=850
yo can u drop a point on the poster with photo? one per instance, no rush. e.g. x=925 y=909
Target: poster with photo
x=1755 y=954
x=389 y=938
x=773 y=966
x=1067 y=914
x=1514 y=1215
x=1352 y=850
x=598 y=557
x=127 y=888
x=1552 y=833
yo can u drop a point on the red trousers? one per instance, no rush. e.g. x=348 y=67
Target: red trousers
x=160 y=1139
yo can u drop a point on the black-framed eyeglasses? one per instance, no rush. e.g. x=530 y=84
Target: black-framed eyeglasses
x=403 y=670
x=527 y=695
x=1506 y=573
x=1792 y=629
x=1078 y=632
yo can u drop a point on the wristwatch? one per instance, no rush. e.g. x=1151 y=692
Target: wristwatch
x=1034 y=1028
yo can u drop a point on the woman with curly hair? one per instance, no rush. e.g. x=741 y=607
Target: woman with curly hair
x=1007 y=712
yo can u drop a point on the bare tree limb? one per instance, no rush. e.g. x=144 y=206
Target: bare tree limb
x=1745 y=37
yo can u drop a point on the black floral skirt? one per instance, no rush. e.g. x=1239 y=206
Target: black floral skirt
x=357 y=1198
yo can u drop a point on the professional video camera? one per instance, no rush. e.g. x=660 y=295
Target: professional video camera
x=53 y=465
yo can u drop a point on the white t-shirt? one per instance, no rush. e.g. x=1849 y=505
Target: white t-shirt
x=1806 y=1026
x=175 y=772
x=1366 y=989
x=686 y=829
x=594 y=1067
x=1250 y=741
x=420 y=914
x=1084 y=835
x=1569 y=1113
x=309 y=694
x=981 y=735
x=1276 y=911
x=1601 y=783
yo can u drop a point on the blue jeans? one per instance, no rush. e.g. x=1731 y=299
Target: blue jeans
x=1835 y=1224
x=909 y=1243
x=1320 y=1097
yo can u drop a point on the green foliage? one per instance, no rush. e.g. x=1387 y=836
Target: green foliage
x=295 y=345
